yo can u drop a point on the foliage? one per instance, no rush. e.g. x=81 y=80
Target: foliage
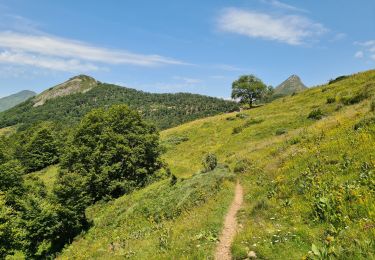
x=248 y=123
x=363 y=123
x=164 y=110
x=357 y=97
x=111 y=152
x=9 y=230
x=248 y=88
x=340 y=78
x=38 y=147
x=372 y=106
x=115 y=150
x=242 y=166
x=11 y=180
x=209 y=162
x=331 y=100
x=175 y=140
x=280 y=131
x=316 y=114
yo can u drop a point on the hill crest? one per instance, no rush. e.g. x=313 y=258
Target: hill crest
x=69 y=101
x=77 y=84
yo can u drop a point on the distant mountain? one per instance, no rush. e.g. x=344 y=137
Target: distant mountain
x=15 y=99
x=78 y=84
x=68 y=102
x=291 y=85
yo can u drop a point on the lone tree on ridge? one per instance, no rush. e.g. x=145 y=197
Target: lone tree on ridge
x=248 y=88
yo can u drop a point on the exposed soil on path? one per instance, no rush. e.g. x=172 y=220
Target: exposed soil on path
x=230 y=226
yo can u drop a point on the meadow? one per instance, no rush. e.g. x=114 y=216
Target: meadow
x=306 y=163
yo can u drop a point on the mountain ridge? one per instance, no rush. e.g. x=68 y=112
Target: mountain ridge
x=69 y=101
x=15 y=99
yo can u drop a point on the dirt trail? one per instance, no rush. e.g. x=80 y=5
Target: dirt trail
x=230 y=226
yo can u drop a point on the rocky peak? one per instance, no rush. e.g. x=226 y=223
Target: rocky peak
x=291 y=85
x=77 y=84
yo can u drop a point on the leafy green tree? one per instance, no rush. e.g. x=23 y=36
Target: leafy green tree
x=115 y=150
x=42 y=224
x=209 y=162
x=38 y=147
x=248 y=89
x=70 y=192
x=11 y=182
x=10 y=233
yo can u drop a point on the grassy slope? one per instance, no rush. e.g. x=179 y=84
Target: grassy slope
x=47 y=176
x=273 y=206
x=277 y=218
x=162 y=221
x=7 y=130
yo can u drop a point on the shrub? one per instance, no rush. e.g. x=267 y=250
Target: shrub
x=175 y=140
x=173 y=180
x=358 y=97
x=237 y=130
x=294 y=140
x=241 y=115
x=242 y=166
x=337 y=79
x=339 y=107
x=315 y=114
x=364 y=123
x=280 y=131
x=209 y=162
x=253 y=121
x=331 y=100
x=372 y=106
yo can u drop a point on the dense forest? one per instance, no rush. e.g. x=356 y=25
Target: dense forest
x=164 y=110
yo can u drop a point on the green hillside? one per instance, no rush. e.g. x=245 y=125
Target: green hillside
x=306 y=163
x=291 y=85
x=68 y=102
x=15 y=99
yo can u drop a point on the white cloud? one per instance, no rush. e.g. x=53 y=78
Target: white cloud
x=188 y=80
x=290 y=29
x=367 y=50
x=282 y=5
x=20 y=58
x=68 y=55
x=359 y=54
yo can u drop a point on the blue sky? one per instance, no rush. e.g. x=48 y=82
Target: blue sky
x=182 y=46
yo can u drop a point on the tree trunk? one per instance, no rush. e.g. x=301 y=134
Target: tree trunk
x=251 y=101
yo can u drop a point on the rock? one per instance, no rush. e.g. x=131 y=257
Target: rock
x=251 y=255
